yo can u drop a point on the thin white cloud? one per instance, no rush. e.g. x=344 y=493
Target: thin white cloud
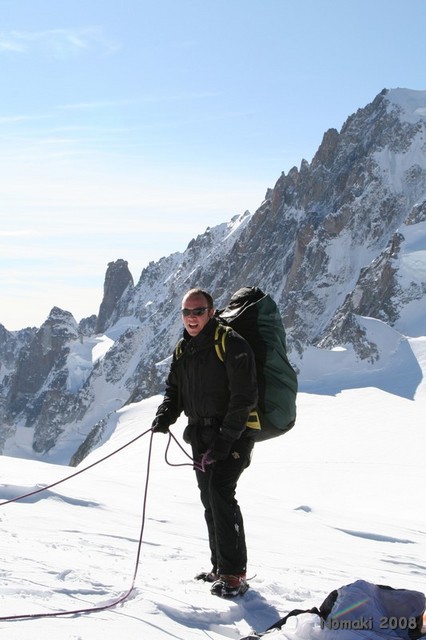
x=9 y=43
x=18 y=118
x=59 y=42
x=149 y=99
x=17 y=233
x=97 y=104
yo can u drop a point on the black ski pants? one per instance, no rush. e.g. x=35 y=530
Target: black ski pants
x=222 y=512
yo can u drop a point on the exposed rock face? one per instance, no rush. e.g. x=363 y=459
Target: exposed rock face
x=11 y=345
x=87 y=326
x=333 y=241
x=39 y=381
x=118 y=278
x=11 y=342
x=45 y=354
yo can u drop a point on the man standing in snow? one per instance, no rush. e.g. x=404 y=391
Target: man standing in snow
x=217 y=397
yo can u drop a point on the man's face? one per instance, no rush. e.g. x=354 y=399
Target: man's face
x=196 y=323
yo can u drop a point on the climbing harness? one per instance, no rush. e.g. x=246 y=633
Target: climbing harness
x=127 y=593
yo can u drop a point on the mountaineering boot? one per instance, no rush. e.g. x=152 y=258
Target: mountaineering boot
x=230 y=586
x=208 y=576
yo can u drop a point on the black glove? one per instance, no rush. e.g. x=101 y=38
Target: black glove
x=160 y=424
x=221 y=449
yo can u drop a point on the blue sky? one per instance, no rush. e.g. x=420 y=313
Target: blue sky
x=127 y=127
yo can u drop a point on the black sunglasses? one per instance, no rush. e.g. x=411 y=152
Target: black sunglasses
x=198 y=311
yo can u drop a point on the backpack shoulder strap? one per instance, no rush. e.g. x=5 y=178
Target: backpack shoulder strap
x=178 y=352
x=221 y=331
x=220 y=334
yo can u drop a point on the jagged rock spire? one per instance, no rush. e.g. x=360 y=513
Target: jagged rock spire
x=117 y=279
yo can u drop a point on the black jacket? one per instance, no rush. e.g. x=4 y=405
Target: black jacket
x=204 y=387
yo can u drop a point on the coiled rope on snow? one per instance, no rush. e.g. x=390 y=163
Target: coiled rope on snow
x=124 y=596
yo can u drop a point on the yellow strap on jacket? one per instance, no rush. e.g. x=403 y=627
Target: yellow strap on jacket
x=253 y=421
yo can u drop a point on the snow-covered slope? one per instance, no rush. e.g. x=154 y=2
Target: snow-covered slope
x=339 y=497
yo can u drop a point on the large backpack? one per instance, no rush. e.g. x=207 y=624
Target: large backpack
x=255 y=316
x=360 y=610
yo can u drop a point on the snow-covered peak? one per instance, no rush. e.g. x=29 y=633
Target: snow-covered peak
x=412 y=103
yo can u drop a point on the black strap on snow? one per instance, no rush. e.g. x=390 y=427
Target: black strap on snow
x=295 y=612
x=280 y=623
x=322 y=612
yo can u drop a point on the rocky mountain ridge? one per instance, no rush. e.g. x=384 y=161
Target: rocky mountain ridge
x=336 y=240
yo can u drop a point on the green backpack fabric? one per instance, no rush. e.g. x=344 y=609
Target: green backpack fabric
x=255 y=316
